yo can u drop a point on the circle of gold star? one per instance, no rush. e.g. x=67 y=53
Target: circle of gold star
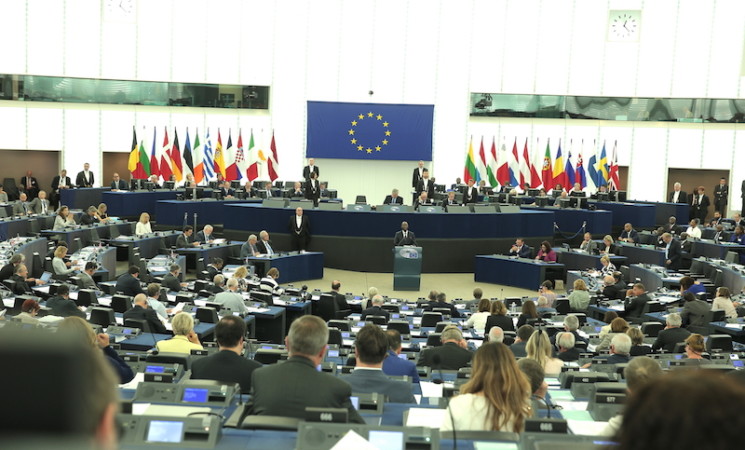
x=370 y=116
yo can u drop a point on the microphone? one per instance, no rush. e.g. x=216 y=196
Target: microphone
x=545 y=402
x=437 y=361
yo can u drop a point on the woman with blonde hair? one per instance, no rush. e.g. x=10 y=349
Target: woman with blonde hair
x=59 y=266
x=607 y=246
x=539 y=349
x=617 y=326
x=240 y=274
x=103 y=216
x=184 y=338
x=143 y=225
x=64 y=219
x=608 y=267
x=579 y=299
x=695 y=347
x=496 y=398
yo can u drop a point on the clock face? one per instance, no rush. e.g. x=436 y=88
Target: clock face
x=624 y=25
x=123 y=10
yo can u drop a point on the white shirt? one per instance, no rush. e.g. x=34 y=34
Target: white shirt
x=143 y=228
x=694 y=232
x=478 y=320
x=676 y=194
x=298 y=220
x=471 y=412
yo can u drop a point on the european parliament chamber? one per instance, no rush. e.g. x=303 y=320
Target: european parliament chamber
x=510 y=224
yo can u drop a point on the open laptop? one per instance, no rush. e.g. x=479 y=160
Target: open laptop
x=46 y=276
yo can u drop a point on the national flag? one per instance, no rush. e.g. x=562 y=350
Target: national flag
x=615 y=182
x=198 y=153
x=568 y=169
x=231 y=169
x=603 y=168
x=503 y=172
x=175 y=154
x=525 y=167
x=241 y=161
x=143 y=168
x=481 y=163
x=253 y=160
x=165 y=160
x=560 y=175
x=579 y=170
x=154 y=166
x=219 y=157
x=470 y=172
x=188 y=161
x=491 y=167
x=134 y=155
x=547 y=177
x=273 y=163
x=209 y=168
x=535 y=178
x=514 y=165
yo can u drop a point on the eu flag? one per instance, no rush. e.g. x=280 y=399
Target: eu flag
x=369 y=131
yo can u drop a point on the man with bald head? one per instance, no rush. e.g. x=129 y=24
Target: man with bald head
x=339 y=298
x=30 y=185
x=404 y=237
x=299 y=230
x=117 y=184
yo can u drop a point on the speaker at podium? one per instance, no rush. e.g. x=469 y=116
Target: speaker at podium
x=407 y=268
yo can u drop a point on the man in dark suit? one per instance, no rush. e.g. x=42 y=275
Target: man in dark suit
x=566 y=352
x=671 y=225
x=394 y=365
x=205 y=236
x=453 y=354
x=29 y=185
x=376 y=309
x=129 y=284
x=141 y=311
x=426 y=185
x=117 y=184
x=171 y=280
x=40 y=205
x=716 y=220
x=339 y=298
x=21 y=285
x=297 y=191
x=249 y=247
x=441 y=302
x=90 y=217
x=404 y=237
x=672 y=334
x=287 y=389
x=678 y=196
x=85 y=177
x=310 y=169
x=721 y=195
x=214 y=268
x=299 y=230
x=635 y=301
x=371 y=348
x=673 y=252
x=629 y=235
x=313 y=189
x=228 y=364
x=186 y=239
x=520 y=249
x=325 y=193
x=472 y=193
x=450 y=201
x=62 y=306
x=393 y=199
x=265 y=245
x=719 y=234
x=417 y=176
x=610 y=290
x=61 y=181
x=423 y=200
x=226 y=190
x=523 y=334
x=700 y=205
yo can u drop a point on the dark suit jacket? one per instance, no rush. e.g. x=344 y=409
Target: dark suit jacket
x=523 y=252
x=452 y=357
x=416 y=176
x=121 y=185
x=312 y=190
x=304 y=229
x=612 y=292
x=682 y=197
x=87 y=219
x=393 y=365
x=57 y=180
x=182 y=241
x=7 y=271
x=696 y=313
x=212 y=272
x=64 y=307
x=674 y=254
x=171 y=282
x=398 y=239
x=570 y=355
x=128 y=285
x=297 y=194
x=496 y=320
x=518 y=349
x=453 y=310
x=307 y=172
x=702 y=206
x=340 y=299
x=148 y=314
x=430 y=190
x=287 y=389
x=376 y=311
x=21 y=287
x=34 y=184
x=471 y=195
x=667 y=339
x=200 y=237
x=389 y=200
x=631 y=234
x=225 y=365
x=369 y=381
x=262 y=248
x=80 y=180
x=720 y=195
x=635 y=305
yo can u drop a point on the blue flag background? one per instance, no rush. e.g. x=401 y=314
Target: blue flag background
x=369 y=131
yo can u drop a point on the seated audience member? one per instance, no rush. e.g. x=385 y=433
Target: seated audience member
x=297 y=191
x=371 y=292
x=3 y=195
x=546 y=290
x=495 y=335
x=685 y=409
x=719 y=234
x=40 y=205
x=249 y=247
x=571 y=325
x=539 y=348
x=523 y=334
x=528 y=312
x=153 y=301
x=206 y=236
x=496 y=398
x=696 y=348
x=538 y=386
x=451 y=355
x=62 y=306
x=738 y=237
x=693 y=231
x=29 y=310
x=442 y=302
x=86 y=276
x=129 y=283
x=141 y=311
x=579 y=299
x=478 y=319
x=103 y=215
x=9 y=268
x=82 y=331
x=229 y=364
x=154 y=180
x=214 y=268
x=607 y=246
x=90 y=217
x=695 y=312
x=520 y=248
x=231 y=299
x=629 y=235
x=341 y=299
x=739 y=221
x=189 y=182
x=393 y=199
x=63 y=219
x=241 y=275
x=186 y=239
x=143 y=226
x=617 y=326
x=371 y=348
x=184 y=338
x=21 y=286
x=566 y=351
x=22 y=207
x=265 y=245
x=283 y=389
x=608 y=317
x=722 y=302
x=620 y=346
x=608 y=267
x=451 y=200
x=543 y=308
x=499 y=318
x=394 y=365
x=688 y=284
x=588 y=245
x=376 y=309
x=60 y=267
x=637 y=343
x=546 y=254
x=269 y=282
x=636 y=299
x=218 y=284
x=672 y=334
x=610 y=289
x=172 y=280
x=640 y=371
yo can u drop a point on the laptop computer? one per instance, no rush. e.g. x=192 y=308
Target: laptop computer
x=46 y=276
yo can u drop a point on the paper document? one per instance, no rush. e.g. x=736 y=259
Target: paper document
x=178 y=308
x=355 y=441
x=586 y=427
x=139 y=377
x=430 y=389
x=572 y=406
x=425 y=417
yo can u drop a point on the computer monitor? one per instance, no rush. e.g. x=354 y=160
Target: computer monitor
x=262 y=296
x=533 y=192
x=169 y=185
x=603 y=196
x=541 y=202
x=577 y=194
x=193 y=193
x=556 y=193
x=619 y=196
x=578 y=202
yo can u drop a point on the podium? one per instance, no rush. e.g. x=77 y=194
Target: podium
x=407 y=268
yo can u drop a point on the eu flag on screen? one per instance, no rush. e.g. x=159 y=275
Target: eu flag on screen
x=369 y=131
